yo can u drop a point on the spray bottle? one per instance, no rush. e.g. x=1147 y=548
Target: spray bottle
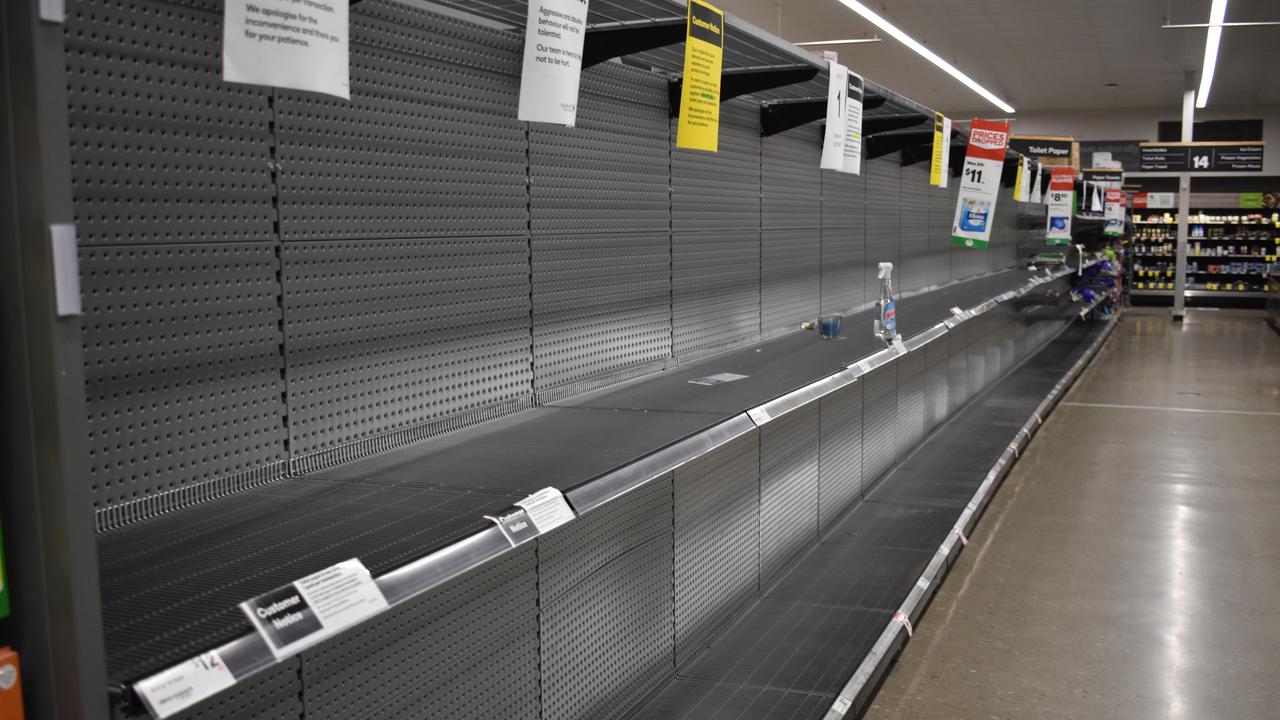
x=886 y=324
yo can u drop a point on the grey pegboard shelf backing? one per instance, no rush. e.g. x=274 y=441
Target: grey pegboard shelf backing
x=428 y=146
x=183 y=373
x=388 y=335
x=163 y=151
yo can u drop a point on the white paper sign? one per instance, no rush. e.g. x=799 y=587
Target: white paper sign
x=853 y=124
x=553 y=38
x=180 y=687
x=946 y=152
x=298 y=44
x=1162 y=200
x=833 y=143
x=547 y=509
x=1036 y=195
x=304 y=612
x=718 y=379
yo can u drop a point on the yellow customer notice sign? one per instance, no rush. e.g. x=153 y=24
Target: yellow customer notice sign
x=699 y=127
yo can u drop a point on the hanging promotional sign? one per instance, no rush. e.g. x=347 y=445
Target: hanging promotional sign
x=1062 y=182
x=940 y=165
x=1037 y=195
x=980 y=183
x=1114 y=213
x=833 y=141
x=287 y=44
x=853 y=124
x=553 y=38
x=699 y=126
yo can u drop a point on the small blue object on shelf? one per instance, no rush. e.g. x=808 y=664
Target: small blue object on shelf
x=829 y=326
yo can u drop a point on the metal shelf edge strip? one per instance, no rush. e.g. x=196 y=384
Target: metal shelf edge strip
x=866 y=676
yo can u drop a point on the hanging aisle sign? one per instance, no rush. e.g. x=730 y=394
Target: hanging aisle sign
x=980 y=183
x=699 y=127
x=940 y=165
x=833 y=141
x=853 y=124
x=298 y=44
x=1114 y=213
x=553 y=38
x=1062 y=182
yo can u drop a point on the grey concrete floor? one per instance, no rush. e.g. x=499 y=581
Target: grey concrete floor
x=1130 y=565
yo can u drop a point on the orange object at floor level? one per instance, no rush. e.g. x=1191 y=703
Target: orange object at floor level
x=10 y=686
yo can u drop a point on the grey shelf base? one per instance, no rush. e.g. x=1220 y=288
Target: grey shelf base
x=790 y=653
x=171 y=585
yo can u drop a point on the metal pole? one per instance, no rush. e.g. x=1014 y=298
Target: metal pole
x=51 y=552
x=1184 y=211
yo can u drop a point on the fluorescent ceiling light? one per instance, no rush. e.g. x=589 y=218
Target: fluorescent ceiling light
x=926 y=53
x=850 y=41
x=1217 y=12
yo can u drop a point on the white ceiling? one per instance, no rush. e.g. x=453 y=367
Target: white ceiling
x=1042 y=54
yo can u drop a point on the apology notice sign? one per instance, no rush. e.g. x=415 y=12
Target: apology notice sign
x=553 y=40
x=299 y=44
x=306 y=611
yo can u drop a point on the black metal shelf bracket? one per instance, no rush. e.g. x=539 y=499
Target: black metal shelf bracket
x=735 y=82
x=608 y=41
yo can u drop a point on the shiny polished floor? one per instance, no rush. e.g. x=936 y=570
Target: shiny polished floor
x=1130 y=565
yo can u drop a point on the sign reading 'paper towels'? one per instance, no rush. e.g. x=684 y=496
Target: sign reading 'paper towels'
x=298 y=44
x=553 y=39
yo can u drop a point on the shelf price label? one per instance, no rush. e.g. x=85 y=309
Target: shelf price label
x=182 y=686
x=980 y=183
x=699 y=127
x=1059 y=200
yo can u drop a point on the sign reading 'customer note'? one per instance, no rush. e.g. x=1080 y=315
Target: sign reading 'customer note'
x=306 y=611
x=699 y=127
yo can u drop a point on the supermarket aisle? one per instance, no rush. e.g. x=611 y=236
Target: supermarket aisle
x=1132 y=571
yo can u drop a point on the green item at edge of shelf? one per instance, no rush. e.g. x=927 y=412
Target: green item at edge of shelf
x=1251 y=200
x=4 y=582
x=1110 y=253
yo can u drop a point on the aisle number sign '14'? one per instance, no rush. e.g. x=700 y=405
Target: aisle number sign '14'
x=699 y=127
x=980 y=183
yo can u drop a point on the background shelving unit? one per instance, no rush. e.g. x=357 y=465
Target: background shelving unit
x=1230 y=253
